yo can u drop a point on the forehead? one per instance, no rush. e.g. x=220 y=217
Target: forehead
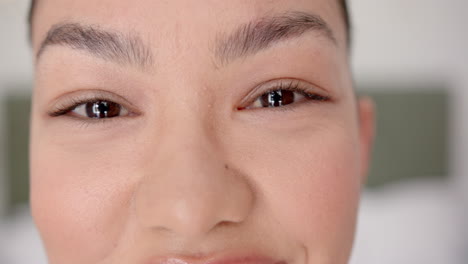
x=177 y=19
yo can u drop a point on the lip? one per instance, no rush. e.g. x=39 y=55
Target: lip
x=245 y=259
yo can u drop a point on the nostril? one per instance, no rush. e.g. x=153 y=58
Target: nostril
x=192 y=191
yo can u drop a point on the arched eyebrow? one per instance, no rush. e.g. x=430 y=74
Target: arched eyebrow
x=262 y=33
x=109 y=45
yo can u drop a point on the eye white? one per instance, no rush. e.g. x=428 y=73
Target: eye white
x=80 y=110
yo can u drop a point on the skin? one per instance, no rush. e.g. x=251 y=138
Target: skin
x=191 y=172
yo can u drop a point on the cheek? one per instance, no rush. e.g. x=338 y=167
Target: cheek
x=313 y=186
x=325 y=193
x=80 y=199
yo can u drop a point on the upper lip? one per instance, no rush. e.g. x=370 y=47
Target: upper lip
x=239 y=259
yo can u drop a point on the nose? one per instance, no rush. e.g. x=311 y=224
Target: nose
x=189 y=189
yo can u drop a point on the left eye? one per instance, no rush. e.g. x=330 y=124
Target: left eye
x=277 y=98
x=281 y=97
x=99 y=109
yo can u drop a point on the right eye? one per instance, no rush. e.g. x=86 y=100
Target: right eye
x=99 y=109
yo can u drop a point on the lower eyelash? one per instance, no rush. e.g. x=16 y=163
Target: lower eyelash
x=88 y=123
x=84 y=123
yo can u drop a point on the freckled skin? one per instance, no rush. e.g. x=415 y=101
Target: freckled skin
x=190 y=174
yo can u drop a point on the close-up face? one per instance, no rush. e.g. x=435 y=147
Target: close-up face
x=196 y=132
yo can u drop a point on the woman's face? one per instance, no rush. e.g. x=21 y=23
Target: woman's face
x=181 y=131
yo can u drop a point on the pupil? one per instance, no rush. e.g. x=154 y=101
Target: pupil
x=277 y=98
x=102 y=109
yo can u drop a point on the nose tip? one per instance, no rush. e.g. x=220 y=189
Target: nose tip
x=191 y=191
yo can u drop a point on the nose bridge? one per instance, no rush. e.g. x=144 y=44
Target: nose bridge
x=188 y=187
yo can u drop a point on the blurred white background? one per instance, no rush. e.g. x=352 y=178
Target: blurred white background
x=396 y=42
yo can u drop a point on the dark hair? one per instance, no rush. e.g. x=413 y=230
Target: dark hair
x=346 y=16
x=343 y=4
x=32 y=7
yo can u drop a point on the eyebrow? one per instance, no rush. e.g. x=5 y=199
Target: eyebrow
x=247 y=39
x=113 y=46
x=262 y=33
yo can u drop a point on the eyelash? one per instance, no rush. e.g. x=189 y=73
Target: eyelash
x=73 y=104
x=288 y=85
